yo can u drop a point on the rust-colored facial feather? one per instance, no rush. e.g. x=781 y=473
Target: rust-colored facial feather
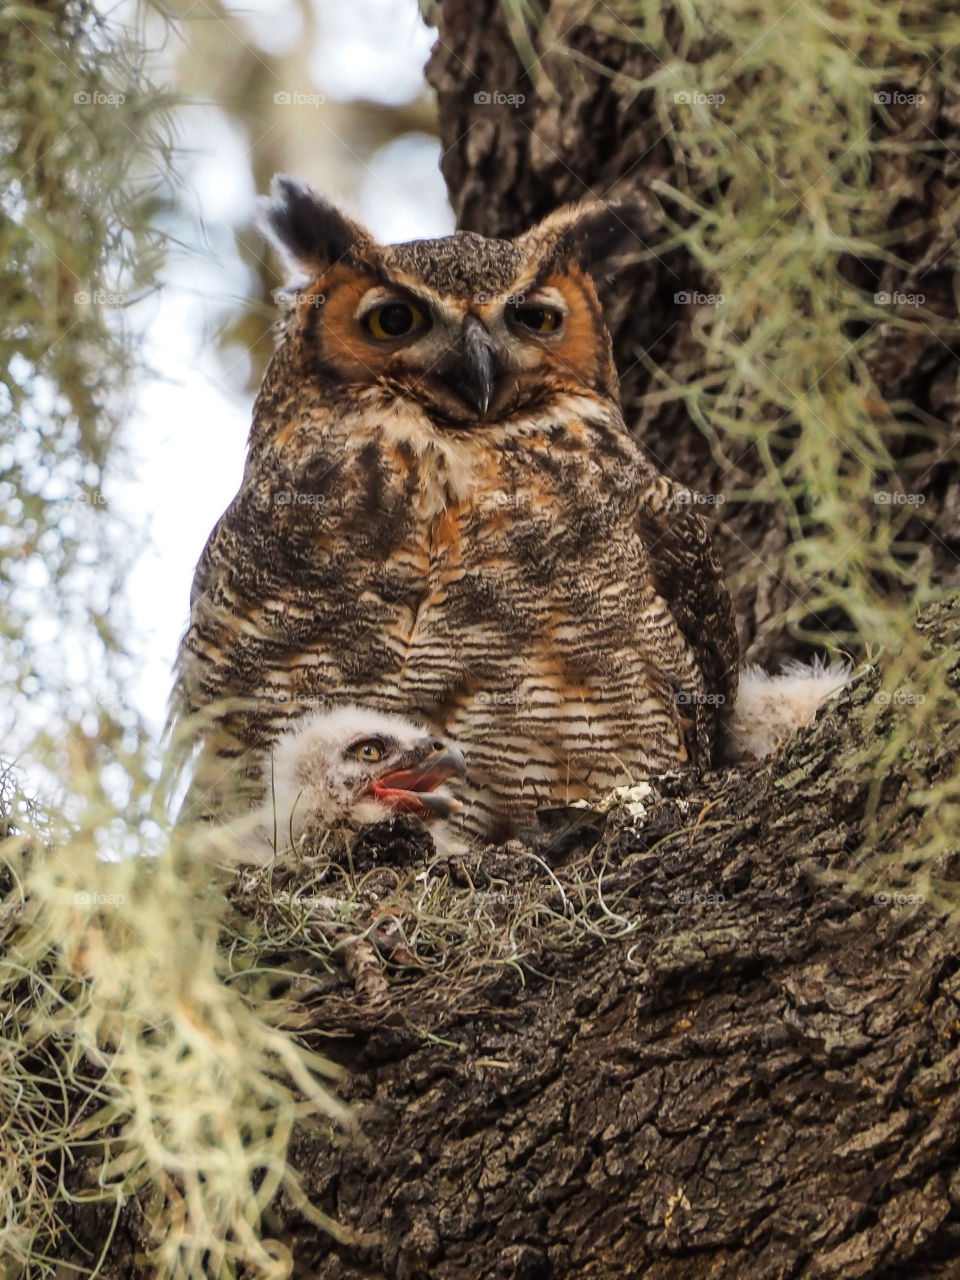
x=582 y=353
x=431 y=365
x=326 y=317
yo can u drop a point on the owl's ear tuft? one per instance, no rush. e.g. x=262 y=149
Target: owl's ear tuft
x=310 y=231
x=601 y=237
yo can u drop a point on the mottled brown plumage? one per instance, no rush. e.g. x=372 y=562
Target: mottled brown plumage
x=453 y=523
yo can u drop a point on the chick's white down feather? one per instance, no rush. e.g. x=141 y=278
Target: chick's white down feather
x=769 y=708
x=317 y=778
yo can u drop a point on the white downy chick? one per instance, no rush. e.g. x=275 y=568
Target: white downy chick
x=352 y=766
x=769 y=708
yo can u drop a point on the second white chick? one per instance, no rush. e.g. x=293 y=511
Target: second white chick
x=769 y=708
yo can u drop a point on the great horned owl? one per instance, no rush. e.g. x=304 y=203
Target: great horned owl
x=350 y=767
x=444 y=516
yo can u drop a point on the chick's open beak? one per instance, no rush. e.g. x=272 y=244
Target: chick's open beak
x=410 y=785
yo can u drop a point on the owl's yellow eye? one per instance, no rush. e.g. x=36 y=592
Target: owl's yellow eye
x=538 y=319
x=369 y=750
x=393 y=320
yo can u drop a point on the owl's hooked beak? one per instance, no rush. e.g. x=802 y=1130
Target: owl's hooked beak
x=475 y=371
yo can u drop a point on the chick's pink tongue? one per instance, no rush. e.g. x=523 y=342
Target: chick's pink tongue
x=422 y=802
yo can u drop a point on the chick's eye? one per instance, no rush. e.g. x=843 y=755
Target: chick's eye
x=538 y=319
x=394 y=320
x=370 y=750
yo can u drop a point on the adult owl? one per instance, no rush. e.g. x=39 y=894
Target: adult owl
x=443 y=516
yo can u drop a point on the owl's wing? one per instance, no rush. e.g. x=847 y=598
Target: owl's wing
x=207 y=728
x=194 y=671
x=689 y=577
x=274 y=616
x=242 y=589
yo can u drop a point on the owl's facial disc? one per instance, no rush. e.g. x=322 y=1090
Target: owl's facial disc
x=466 y=359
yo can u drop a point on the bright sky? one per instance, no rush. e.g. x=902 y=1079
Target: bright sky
x=187 y=437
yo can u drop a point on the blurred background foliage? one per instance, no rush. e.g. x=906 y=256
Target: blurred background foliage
x=84 y=185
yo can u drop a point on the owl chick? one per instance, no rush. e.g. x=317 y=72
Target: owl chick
x=769 y=708
x=444 y=516
x=349 y=767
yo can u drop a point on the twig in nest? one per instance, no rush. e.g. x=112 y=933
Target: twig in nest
x=364 y=967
